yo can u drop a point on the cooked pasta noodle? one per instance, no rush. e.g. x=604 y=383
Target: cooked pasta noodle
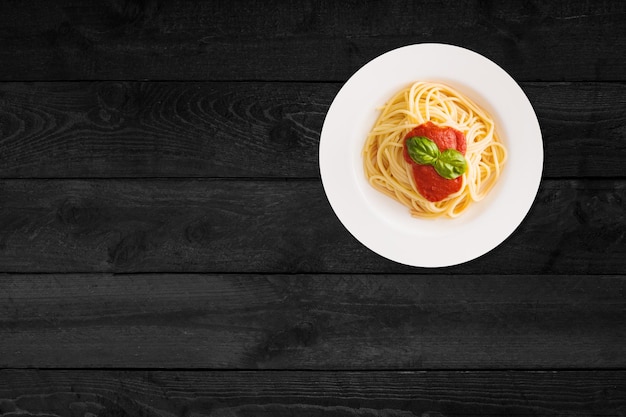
x=387 y=170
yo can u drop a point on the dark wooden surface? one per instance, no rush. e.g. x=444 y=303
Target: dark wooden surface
x=306 y=393
x=313 y=321
x=166 y=247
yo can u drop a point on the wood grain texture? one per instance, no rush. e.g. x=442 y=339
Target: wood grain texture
x=137 y=129
x=243 y=321
x=311 y=40
x=197 y=129
x=182 y=225
x=390 y=394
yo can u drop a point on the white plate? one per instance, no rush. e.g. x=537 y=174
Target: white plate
x=384 y=225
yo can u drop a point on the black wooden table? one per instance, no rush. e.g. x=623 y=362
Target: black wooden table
x=167 y=249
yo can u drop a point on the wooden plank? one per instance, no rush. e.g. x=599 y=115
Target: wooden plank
x=582 y=125
x=279 y=40
x=242 y=321
x=341 y=394
x=130 y=129
x=197 y=129
x=176 y=225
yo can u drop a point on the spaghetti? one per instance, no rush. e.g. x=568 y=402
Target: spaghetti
x=384 y=154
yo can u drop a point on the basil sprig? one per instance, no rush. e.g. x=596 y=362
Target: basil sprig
x=449 y=164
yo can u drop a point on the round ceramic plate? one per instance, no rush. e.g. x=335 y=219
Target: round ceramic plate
x=384 y=225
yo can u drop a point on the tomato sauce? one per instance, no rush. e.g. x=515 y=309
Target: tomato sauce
x=429 y=183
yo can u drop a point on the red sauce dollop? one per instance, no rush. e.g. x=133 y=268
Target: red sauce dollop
x=431 y=185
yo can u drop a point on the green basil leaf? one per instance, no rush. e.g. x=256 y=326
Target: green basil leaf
x=451 y=164
x=422 y=150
